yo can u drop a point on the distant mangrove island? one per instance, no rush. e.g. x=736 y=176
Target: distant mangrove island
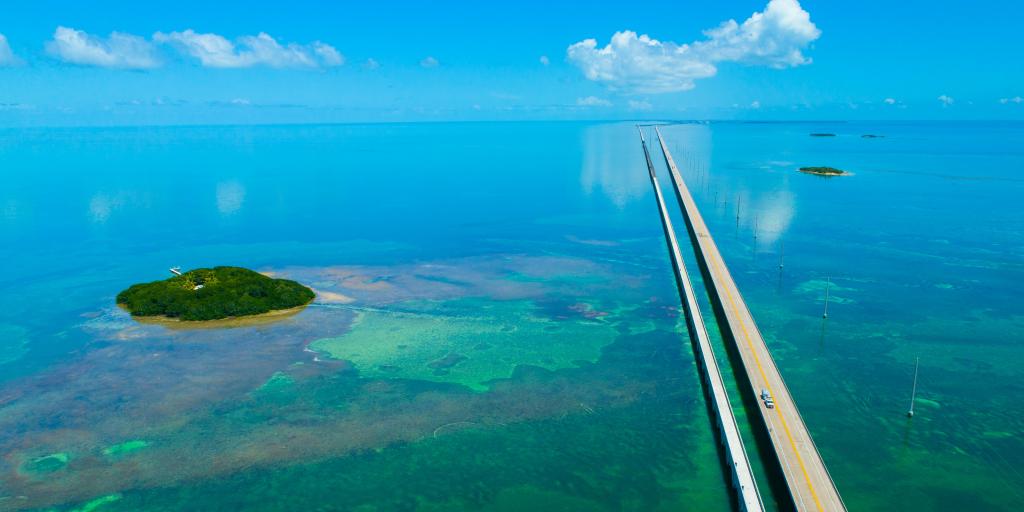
x=824 y=171
x=213 y=294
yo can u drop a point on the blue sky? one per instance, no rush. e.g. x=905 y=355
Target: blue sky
x=191 y=62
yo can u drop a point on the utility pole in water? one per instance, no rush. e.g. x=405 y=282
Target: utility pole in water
x=828 y=283
x=739 y=202
x=913 y=392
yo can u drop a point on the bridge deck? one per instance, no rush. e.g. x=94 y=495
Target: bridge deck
x=807 y=478
x=748 y=497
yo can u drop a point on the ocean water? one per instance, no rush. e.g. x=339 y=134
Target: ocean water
x=496 y=326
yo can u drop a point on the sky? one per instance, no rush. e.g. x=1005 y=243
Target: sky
x=66 y=63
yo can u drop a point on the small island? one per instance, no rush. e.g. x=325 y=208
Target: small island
x=824 y=171
x=215 y=293
x=823 y=135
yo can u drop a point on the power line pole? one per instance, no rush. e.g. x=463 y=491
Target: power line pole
x=913 y=392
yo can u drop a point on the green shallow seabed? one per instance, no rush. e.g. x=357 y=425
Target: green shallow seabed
x=650 y=456
x=276 y=381
x=47 y=463
x=93 y=505
x=125 y=448
x=467 y=341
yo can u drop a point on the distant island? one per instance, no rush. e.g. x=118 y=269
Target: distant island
x=872 y=136
x=823 y=135
x=824 y=171
x=213 y=294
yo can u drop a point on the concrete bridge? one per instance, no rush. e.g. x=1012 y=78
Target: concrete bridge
x=807 y=479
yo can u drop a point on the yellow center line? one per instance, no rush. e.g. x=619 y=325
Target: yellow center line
x=702 y=233
x=764 y=377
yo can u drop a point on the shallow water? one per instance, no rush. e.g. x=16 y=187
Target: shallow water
x=497 y=326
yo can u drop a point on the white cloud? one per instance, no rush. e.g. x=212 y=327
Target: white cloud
x=755 y=104
x=216 y=51
x=640 y=64
x=429 y=62
x=371 y=64
x=1016 y=99
x=119 y=50
x=639 y=105
x=329 y=55
x=775 y=38
x=7 y=57
x=242 y=102
x=946 y=100
x=545 y=60
x=593 y=101
x=890 y=101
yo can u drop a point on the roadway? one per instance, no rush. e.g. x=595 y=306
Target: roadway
x=744 y=483
x=806 y=477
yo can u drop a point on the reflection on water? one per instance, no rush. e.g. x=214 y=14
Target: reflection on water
x=103 y=205
x=230 y=196
x=580 y=392
x=901 y=289
x=766 y=213
x=612 y=165
x=774 y=213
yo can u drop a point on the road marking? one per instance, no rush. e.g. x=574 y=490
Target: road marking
x=778 y=411
x=748 y=493
x=718 y=272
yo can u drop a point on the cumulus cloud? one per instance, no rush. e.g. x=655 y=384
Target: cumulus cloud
x=1016 y=99
x=890 y=101
x=755 y=104
x=544 y=60
x=119 y=50
x=946 y=100
x=216 y=51
x=7 y=57
x=639 y=105
x=775 y=37
x=371 y=64
x=429 y=62
x=329 y=55
x=593 y=101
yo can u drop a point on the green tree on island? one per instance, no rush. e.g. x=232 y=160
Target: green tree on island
x=212 y=294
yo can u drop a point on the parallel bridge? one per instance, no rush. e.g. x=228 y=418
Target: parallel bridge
x=748 y=497
x=806 y=477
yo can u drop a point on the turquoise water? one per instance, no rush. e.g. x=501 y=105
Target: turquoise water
x=497 y=326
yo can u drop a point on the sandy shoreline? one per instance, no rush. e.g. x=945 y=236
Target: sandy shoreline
x=234 y=321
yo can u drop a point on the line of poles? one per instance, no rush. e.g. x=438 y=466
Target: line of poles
x=703 y=178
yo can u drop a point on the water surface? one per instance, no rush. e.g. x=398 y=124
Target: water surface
x=497 y=327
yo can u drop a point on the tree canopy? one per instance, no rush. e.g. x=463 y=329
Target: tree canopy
x=214 y=293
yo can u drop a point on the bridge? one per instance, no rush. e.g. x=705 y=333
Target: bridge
x=748 y=497
x=810 y=486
